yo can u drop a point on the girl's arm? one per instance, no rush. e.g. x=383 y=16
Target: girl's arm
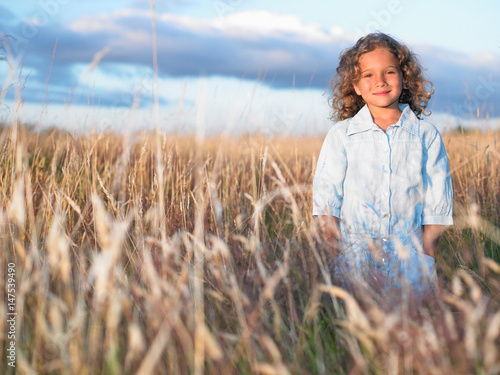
x=328 y=181
x=438 y=198
x=430 y=237
x=328 y=189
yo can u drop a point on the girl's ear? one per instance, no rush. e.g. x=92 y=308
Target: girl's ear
x=356 y=88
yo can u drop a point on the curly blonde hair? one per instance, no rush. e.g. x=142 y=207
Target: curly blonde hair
x=344 y=101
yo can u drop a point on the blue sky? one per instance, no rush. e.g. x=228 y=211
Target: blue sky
x=242 y=64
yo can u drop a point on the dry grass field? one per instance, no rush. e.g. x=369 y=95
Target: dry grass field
x=162 y=254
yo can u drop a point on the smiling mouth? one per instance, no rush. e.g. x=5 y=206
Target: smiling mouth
x=381 y=93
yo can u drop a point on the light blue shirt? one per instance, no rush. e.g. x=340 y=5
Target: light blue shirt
x=382 y=184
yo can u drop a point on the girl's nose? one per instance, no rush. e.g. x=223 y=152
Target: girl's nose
x=379 y=80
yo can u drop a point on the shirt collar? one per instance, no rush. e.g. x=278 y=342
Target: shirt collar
x=363 y=121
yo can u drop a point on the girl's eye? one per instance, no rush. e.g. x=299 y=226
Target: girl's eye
x=367 y=75
x=391 y=72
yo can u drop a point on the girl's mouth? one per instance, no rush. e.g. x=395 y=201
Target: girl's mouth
x=381 y=93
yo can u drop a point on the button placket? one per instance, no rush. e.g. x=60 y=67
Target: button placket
x=385 y=209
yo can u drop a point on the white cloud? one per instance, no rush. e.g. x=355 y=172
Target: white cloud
x=113 y=24
x=185 y=22
x=486 y=57
x=249 y=24
x=263 y=23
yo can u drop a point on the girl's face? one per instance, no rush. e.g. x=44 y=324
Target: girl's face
x=381 y=80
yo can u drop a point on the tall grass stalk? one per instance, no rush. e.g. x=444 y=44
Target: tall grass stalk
x=183 y=255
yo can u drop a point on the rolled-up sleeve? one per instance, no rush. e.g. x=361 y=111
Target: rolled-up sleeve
x=328 y=182
x=438 y=192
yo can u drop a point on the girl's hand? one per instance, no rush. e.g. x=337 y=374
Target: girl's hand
x=330 y=233
x=430 y=238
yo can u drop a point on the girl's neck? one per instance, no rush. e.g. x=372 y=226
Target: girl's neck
x=385 y=117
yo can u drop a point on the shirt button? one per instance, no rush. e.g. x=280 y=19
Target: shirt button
x=386 y=216
x=386 y=194
x=385 y=239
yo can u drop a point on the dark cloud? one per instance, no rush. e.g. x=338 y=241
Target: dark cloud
x=281 y=60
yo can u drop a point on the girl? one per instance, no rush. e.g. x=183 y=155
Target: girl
x=382 y=188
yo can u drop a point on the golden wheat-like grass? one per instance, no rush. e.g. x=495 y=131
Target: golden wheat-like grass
x=164 y=254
